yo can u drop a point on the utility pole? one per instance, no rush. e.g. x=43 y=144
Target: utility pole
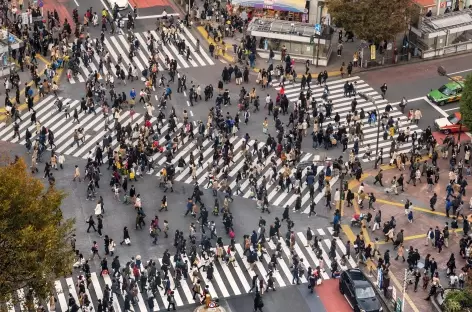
x=405 y=280
x=371 y=99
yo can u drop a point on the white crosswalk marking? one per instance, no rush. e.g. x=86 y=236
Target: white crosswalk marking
x=342 y=106
x=224 y=274
x=119 y=45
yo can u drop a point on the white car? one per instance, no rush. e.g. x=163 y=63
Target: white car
x=122 y=4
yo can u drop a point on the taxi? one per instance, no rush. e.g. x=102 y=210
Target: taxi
x=450 y=92
x=450 y=124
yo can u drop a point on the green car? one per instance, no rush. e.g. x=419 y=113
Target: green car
x=450 y=92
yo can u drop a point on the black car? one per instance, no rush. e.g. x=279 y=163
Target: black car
x=358 y=291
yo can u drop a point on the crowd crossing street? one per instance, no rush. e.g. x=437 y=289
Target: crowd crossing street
x=222 y=276
x=133 y=49
x=340 y=111
x=94 y=133
x=201 y=179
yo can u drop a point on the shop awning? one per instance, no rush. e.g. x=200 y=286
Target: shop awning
x=426 y=3
x=278 y=5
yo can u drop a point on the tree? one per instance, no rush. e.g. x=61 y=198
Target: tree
x=466 y=102
x=34 y=239
x=375 y=20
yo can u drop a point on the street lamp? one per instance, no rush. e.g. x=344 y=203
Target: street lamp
x=371 y=99
x=443 y=72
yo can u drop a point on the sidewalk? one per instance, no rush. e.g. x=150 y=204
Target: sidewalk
x=414 y=233
x=25 y=76
x=332 y=69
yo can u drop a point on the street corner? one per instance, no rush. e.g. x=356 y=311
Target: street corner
x=439 y=136
x=209 y=40
x=331 y=297
x=412 y=231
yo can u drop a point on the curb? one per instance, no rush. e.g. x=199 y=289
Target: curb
x=416 y=61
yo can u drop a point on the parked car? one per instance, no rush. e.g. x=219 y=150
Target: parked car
x=358 y=291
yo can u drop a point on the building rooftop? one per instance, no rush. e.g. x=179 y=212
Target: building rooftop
x=446 y=21
x=282 y=27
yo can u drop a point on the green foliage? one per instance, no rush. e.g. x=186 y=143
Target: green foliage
x=34 y=246
x=466 y=102
x=458 y=300
x=375 y=20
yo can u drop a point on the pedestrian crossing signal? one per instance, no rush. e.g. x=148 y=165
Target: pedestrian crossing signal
x=312 y=39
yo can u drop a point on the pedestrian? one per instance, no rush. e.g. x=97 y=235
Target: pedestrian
x=126 y=238
x=91 y=224
x=258 y=303
x=171 y=301
x=77 y=174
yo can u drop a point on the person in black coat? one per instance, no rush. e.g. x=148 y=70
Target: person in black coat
x=258 y=303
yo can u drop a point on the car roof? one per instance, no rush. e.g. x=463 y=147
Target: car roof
x=452 y=85
x=356 y=275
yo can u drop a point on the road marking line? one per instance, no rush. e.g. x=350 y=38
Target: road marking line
x=450 y=109
x=461 y=71
x=440 y=110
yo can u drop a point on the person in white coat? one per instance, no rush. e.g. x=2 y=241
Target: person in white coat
x=149 y=108
x=98 y=209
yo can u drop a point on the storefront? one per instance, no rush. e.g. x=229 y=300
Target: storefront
x=297 y=39
x=288 y=10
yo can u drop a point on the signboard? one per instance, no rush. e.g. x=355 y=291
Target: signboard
x=279 y=5
x=318 y=29
x=5 y=60
x=399 y=305
x=364 y=44
x=379 y=278
x=389 y=46
x=394 y=293
x=40 y=3
x=372 y=52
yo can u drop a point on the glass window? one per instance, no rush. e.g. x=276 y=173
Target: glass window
x=444 y=90
x=365 y=293
x=295 y=48
x=453 y=119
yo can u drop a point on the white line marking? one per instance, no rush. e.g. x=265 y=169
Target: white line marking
x=440 y=110
x=451 y=109
x=461 y=71
x=76 y=3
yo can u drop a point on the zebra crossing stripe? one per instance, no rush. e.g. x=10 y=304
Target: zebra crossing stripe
x=60 y=295
x=228 y=275
x=342 y=106
x=202 y=52
x=116 y=304
x=224 y=274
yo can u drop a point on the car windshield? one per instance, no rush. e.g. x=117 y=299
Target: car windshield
x=453 y=119
x=445 y=90
x=365 y=292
